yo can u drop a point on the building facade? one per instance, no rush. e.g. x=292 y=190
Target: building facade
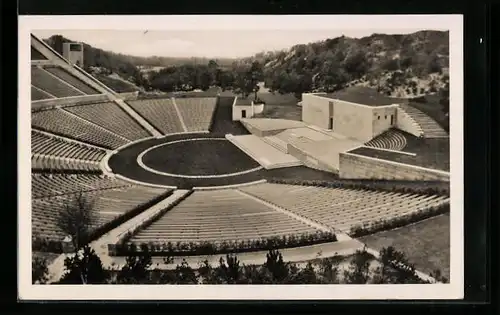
x=357 y=121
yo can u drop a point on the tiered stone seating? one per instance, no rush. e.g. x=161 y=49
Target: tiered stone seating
x=37 y=94
x=47 y=145
x=69 y=78
x=341 y=208
x=160 y=113
x=47 y=185
x=43 y=80
x=429 y=126
x=391 y=139
x=48 y=163
x=60 y=122
x=110 y=116
x=108 y=205
x=217 y=216
x=196 y=112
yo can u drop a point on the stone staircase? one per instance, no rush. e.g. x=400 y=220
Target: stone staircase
x=430 y=128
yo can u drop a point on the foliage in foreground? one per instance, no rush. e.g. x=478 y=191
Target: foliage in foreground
x=392 y=267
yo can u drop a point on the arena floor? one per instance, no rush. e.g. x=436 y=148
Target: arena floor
x=200 y=163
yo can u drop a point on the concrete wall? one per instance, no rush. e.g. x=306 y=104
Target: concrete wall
x=353 y=166
x=57 y=59
x=406 y=123
x=382 y=119
x=353 y=120
x=75 y=57
x=308 y=160
x=74 y=100
x=237 y=112
x=315 y=110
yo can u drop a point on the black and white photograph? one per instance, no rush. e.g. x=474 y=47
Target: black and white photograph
x=241 y=157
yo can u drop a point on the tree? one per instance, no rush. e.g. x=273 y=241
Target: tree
x=329 y=270
x=229 y=271
x=359 y=268
x=395 y=268
x=445 y=98
x=85 y=267
x=136 y=268
x=185 y=274
x=39 y=270
x=276 y=266
x=76 y=219
x=207 y=273
x=305 y=275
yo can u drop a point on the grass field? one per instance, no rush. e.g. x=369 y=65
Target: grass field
x=426 y=243
x=208 y=157
x=431 y=153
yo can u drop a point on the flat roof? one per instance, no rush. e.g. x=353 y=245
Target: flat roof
x=243 y=102
x=364 y=96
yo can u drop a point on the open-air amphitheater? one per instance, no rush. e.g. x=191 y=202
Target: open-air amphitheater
x=178 y=175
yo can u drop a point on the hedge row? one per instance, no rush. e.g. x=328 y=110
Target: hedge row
x=383 y=224
x=213 y=248
x=404 y=187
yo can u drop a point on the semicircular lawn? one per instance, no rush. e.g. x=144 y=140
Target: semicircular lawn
x=198 y=157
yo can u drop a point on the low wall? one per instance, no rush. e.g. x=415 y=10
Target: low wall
x=309 y=160
x=74 y=100
x=354 y=166
x=129 y=96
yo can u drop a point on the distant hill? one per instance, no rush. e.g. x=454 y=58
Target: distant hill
x=389 y=63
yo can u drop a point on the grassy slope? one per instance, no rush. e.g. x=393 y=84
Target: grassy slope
x=426 y=243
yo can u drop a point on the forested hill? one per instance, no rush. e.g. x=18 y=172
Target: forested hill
x=407 y=65
x=398 y=65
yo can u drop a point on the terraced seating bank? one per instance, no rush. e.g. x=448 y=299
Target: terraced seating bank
x=344 y=209
x=196 y=112
x=111 y=117
x=112 y=207
x=61 y=122
x=220 y=221
x=160 y=113
x=49 y=83
x=50 y=153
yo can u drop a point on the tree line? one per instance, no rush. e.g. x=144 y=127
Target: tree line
x=327 y=65
x=85 y=267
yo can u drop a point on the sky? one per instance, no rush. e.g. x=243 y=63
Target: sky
x=203 y=43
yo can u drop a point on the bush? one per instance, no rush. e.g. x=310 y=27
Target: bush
x=224 y=247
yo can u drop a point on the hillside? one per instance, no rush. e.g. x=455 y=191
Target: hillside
x=398 y=65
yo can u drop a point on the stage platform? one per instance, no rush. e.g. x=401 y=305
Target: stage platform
x=263 y=127
x=265 y=154
x=314 y=147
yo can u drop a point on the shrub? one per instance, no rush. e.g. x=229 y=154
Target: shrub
x=224 y=247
